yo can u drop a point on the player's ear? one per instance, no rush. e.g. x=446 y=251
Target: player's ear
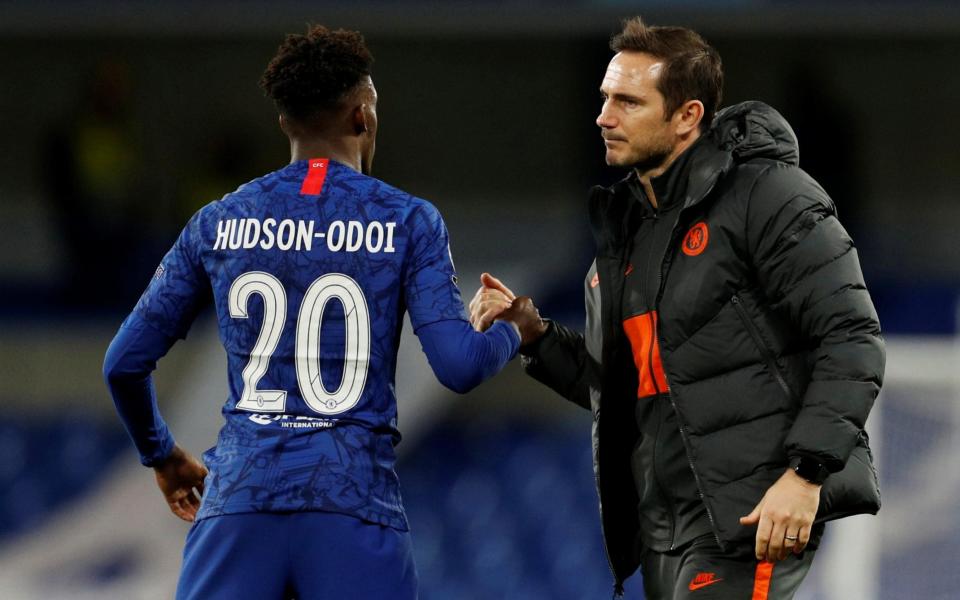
x=284 y=124
x=688 y=116
x=359 y=115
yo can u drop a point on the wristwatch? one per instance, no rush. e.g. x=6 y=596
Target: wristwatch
x=810 y=469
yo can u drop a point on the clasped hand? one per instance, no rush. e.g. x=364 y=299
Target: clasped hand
x=495 y=301
x=491 y=299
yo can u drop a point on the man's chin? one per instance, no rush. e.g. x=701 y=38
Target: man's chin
x=615 y=160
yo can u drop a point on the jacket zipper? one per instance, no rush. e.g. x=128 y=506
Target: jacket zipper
x=765 y=351
x=605 y=283
x=618 y=583
x=664 y=264
x=644 y=274
x=656 y=386
x=656 y=475
x=656 y=441
x=696 y=476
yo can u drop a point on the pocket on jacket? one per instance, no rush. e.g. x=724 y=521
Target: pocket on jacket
x=766 y=352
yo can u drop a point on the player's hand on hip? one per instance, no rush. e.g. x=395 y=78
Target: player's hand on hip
x=180 y=478
x=491 y=299
x=784 y=517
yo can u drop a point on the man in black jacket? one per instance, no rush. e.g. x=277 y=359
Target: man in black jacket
x=731 y=353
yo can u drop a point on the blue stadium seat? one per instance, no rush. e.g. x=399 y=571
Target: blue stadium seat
x=49 y=461
x=506 y=512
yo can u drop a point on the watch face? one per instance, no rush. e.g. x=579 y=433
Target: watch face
x=810 y=470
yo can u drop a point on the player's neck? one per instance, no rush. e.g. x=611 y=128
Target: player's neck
x=678 y=150
x=342 y=151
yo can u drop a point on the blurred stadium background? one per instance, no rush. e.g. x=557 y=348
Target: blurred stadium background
x=119 y=119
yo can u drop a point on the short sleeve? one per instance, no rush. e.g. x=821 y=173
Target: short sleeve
x=430 y=283
x=180 y=287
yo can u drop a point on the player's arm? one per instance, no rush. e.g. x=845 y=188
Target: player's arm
x=808 y=269
x=127 y=368
x=559 y=360
x=463 y=358
x=460 y=357
x=167 y=308
x=551 y=353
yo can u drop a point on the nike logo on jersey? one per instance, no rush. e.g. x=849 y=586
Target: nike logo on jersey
x=702 y=580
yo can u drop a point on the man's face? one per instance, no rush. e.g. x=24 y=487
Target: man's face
x=369 y=145
x=635 y=130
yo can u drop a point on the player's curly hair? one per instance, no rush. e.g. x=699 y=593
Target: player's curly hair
x=313 y=72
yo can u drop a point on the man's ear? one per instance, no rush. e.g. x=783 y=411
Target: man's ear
x=688 y=116
x=359 y=116
x=284 y=124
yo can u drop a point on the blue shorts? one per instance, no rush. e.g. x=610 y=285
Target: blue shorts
x=307 y=556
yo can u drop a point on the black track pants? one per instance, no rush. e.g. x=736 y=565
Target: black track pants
x=700 y=571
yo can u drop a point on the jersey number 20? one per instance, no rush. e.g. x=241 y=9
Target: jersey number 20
x=321 y=291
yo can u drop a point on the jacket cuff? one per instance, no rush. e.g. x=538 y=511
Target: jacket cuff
x=533 y=348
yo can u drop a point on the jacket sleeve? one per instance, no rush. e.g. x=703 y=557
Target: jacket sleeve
x=560 y=361
x=808 y=269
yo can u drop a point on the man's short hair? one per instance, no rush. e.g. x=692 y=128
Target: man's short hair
x=314 y=72
x=691 y=67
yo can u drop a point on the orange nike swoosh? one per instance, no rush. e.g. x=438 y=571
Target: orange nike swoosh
x=696 y=586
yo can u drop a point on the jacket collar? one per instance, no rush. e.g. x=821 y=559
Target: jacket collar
x=674 y=185
x=613 y=211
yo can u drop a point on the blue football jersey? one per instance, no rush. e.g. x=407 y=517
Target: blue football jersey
x=310 y=269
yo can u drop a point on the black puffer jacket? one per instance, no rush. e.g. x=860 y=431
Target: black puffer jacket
x=768 y=337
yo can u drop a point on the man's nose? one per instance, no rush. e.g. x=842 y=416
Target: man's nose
x=605 y=120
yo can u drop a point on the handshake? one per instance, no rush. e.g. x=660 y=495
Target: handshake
x=494 y=301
